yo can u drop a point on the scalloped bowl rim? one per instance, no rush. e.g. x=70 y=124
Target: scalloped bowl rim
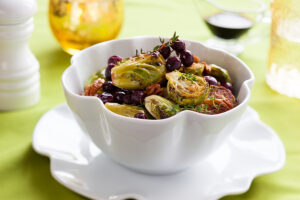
x=248 y=83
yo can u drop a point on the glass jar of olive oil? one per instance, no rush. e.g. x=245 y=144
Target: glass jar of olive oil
x=78 y=24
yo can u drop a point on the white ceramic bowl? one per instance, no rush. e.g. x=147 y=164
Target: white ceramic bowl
x=153 y=146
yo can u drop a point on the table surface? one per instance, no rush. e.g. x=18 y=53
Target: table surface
x=26 y=175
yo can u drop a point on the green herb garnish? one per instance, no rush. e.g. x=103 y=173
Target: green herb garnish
x=166 y=44
x=202 y=108
x=161 y=40
x=189 y=77
x=175 y=37
x=219 y=106
x=175 y=109
x=137 y=52
x=212 y=98
x=156 y=47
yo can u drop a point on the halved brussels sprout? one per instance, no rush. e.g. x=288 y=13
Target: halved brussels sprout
x=159 y=107
x=99 y=74
x=138 y=72
x=125 y=110
x=219 y=73
x=195 y=68
x=186 y=89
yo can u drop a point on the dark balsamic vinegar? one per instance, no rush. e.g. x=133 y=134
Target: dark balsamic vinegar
x=228 y=25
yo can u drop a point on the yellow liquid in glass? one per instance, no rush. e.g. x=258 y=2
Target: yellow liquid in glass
x=284 y=54
x=78 y=24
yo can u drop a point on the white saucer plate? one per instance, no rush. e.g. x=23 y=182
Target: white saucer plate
x=253 y=149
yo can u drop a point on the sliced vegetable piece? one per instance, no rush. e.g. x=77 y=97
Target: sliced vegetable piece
x=186 y=89
x=218 y=72
x=99 y=74
x=220 y=100
x=195 y=68
x=220 y=92
x=138 y=72
x=160 y=108
x=124 y=109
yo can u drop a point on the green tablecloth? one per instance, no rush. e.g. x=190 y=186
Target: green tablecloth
x=26 y=175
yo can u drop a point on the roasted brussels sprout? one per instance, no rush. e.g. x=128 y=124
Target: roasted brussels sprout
x=219 y=73
x=159 y=84
x=138 y=72
x=186 y=89
x=125 y=110
x=95 y=76
x=160 y=107
x=195 y=68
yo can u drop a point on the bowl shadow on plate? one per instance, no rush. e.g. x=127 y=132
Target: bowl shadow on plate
x=36 y=169
x=256 y=188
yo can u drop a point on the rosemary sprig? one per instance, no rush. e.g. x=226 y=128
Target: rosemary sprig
x=175 y=37
x=168 y=43
x=162 y=45
x=161 y=40
x=156 y=47
x=137 y=52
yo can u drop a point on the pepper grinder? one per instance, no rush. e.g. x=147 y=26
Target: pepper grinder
x=19 y=69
